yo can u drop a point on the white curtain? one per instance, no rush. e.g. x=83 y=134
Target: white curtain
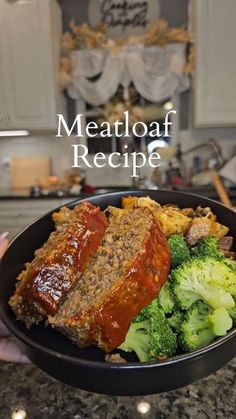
x=157 y=73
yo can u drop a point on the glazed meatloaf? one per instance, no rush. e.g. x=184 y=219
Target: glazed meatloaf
x=130 y=266
x=59 y=264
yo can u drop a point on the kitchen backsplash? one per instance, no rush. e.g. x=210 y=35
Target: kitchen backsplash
x=225 y=137
x=61 y=155
x=32 y=146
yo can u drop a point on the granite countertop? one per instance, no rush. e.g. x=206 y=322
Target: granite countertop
x=23 y=194
x=25 y=387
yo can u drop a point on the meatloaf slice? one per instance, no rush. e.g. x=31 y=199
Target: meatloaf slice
x=131 y=264
x=59 y=263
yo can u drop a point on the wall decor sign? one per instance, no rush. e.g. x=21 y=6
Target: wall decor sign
x=123 y=17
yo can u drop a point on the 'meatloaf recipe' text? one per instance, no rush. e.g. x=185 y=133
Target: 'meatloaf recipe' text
x=135 y=160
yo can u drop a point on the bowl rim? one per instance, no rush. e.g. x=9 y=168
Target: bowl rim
x=16 y=332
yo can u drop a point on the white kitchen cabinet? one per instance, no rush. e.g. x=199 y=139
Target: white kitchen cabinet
x=215 y=75
x=30 y=35
x=4 y=116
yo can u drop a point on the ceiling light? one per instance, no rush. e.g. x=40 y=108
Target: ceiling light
x=153 y=145
x=18 y=414
x=168 y=106
x=18 y=133
x=143 y=407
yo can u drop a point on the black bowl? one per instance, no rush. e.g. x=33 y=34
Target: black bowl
x=85 y=368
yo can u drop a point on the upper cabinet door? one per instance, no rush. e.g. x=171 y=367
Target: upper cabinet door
x=214 y=24
x=30 y=32
x=4 y=117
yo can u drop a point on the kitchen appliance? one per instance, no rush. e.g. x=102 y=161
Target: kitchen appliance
x=86 y=368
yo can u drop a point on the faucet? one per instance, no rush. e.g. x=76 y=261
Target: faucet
x=211 y=143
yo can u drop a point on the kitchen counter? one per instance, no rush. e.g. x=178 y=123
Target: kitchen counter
x=26 y=387
x=23 y=194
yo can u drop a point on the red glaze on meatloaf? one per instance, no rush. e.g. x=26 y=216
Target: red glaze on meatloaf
x=58 y=265
x=127 y=272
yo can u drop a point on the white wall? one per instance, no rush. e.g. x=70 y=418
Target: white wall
x=33 y=146
x=226 y=138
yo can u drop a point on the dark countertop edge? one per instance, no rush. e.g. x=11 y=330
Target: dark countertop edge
x=39 y=198
x=213 y=196
x=98 y=190
x=205 y=193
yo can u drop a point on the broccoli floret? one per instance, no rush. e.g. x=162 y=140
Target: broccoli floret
x=176 y=320
x=223 y=274
x=220 y=321
x=207 y=246
x=165 y=298
x=137 y=339
x=231 y=264
x=201 y=325
x=232 y=313
x=178 y=249
x=163 y=341
x=152 y=337
x=204 y=279
x=147 y=311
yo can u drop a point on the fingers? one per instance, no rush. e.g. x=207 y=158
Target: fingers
x=3 y=247
x=9 y=352
x=3 y=236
